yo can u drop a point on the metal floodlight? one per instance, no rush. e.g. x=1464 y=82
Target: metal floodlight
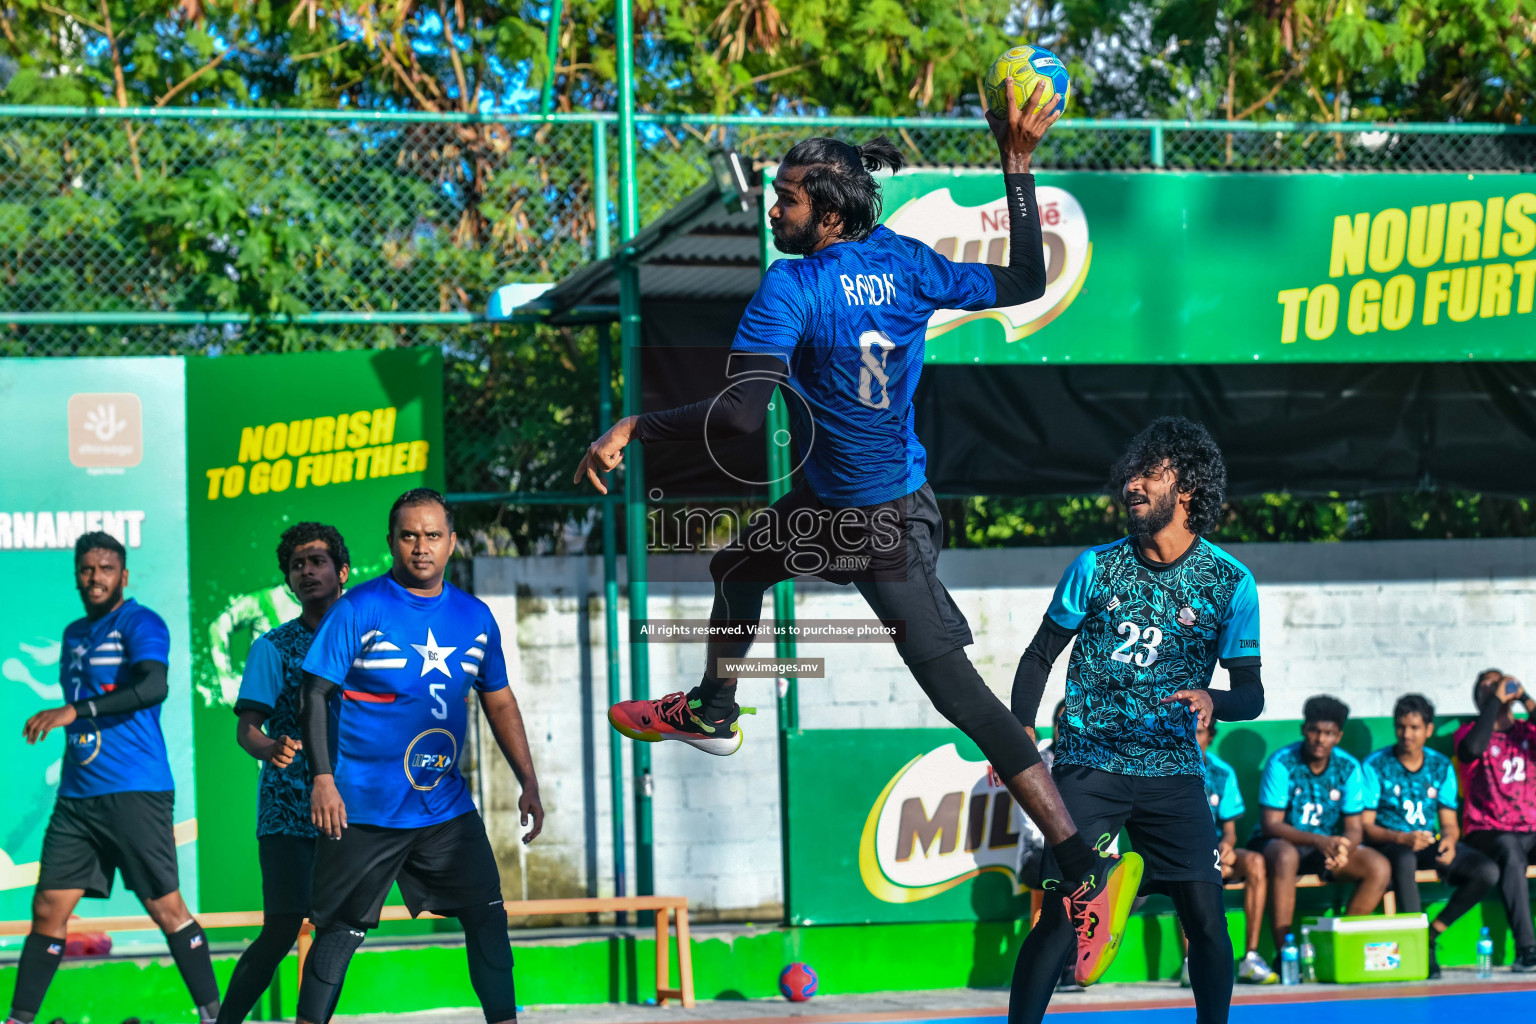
x=731 y=177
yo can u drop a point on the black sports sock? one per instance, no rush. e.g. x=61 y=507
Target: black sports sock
x=40 y=956
x=716 y=697
x=1075 y=857
x=258 y=964
x=189 y=948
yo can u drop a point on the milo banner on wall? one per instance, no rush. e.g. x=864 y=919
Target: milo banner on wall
x=915 y=827
x=196 y=466
x=1223 y=268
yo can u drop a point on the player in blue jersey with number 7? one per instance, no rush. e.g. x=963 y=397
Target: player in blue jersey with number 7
x=114 y=812
x=842 y=330
x=403 y=652
x=1148 y=617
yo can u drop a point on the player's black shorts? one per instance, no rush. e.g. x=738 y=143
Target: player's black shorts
x=1167 y=817
x=287 y=871
x=89 y=838
x=890 y=551
x=441 y=868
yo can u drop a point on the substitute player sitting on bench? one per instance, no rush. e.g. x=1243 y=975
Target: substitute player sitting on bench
x=1310 y=797
x=1410 y=817
x=1244 y=866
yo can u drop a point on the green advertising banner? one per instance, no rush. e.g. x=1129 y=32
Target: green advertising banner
x=1222 y=268
x=90 y=444
x=909 y=825
x=332 y=437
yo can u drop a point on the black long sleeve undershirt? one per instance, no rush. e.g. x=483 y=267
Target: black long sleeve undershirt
x=315 y=723
x=1243 y=702
x=146 y=688
x=1023 y=279
x=1475 y=742
x=740 y=409
x=1035 y=668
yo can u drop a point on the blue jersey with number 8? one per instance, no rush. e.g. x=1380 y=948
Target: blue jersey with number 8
x=851 y=323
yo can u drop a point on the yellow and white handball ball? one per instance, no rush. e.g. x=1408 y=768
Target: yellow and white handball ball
x=1024 y=67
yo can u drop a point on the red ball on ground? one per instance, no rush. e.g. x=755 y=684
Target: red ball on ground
x=798 y=982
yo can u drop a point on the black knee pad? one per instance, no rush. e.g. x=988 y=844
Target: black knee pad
x=490 y=958
x=960 y=695
x=332 y=951
x=485 y=935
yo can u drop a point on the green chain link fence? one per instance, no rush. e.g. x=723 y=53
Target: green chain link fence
x=122 y=230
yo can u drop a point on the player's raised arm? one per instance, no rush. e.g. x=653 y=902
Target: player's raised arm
x=1018 y=134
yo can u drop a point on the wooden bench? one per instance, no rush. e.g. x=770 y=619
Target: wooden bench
x=1389 y=900
x=669 y=910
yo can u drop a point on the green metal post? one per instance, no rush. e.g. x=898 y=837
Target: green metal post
x=635 y=515
x=1157 y=145
x=610 y=512
x=784 y=646
x=551 y=53
x=779 y=466
x=600 y=187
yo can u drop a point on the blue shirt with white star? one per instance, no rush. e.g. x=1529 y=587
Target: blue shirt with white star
x=113 y=753
x=405 y=665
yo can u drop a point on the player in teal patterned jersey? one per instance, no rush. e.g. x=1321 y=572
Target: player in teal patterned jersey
x=314 y=561
x=1144 y=633
x=1149 y=617
x=1410 y=817
x=1310 y=798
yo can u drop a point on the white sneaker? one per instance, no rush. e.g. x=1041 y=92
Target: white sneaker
x=1255 y=971
x=1184 y=974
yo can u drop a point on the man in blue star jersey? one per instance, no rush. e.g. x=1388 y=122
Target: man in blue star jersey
x=842 y=331
x=314 y=562
x=403 y=651
x=1409 y=817
x=116 y=796
x=1151 y=616
x=1310 y=798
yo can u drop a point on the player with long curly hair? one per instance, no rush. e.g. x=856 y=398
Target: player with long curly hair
x=1152 y=615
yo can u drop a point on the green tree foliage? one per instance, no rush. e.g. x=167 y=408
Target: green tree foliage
x=262 y=218
x=1299 y=60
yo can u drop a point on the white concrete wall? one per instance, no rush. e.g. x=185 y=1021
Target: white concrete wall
x=1364 y=621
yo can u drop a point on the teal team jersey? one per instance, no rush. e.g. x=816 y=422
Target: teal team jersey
x=1312 y=802
x=1145 y=632
x=1221 y=790
x=1406 y=801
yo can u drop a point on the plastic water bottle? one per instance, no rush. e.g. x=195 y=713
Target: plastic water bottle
x=1290 y=969
x=1485 y=956
x=1308 y=957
